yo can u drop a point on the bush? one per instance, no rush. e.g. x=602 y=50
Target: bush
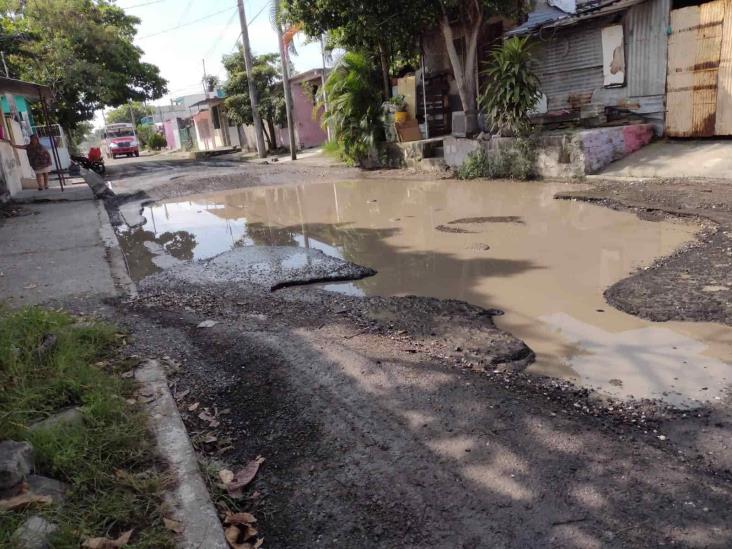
x=156 y=142
x=476 y=165
x=512 y=89
x=354 y=106
x=512 y=161
x=149 y=137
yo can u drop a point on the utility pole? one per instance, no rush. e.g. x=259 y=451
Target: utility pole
x=132 y=114
x=323 y=78
x=286 y=84
x=5 y=66
x=261 y=150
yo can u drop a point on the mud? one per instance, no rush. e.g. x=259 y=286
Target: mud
x=407 y=422
x=376 y=427
x=490 y=219
x=551 y=291
x=695 y=284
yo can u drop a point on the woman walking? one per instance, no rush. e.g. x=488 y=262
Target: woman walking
x=38 y=158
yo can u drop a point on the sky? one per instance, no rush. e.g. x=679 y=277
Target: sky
x=206 y=30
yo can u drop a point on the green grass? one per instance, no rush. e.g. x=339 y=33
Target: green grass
x=108 y=461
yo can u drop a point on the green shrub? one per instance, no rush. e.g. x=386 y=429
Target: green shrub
x=512 y=89
x=516 y=160
x=156 y=142
x=476 y=165
x=354 y=106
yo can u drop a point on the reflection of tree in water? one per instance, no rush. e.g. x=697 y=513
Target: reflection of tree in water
x=268 y=235
x=179 y=244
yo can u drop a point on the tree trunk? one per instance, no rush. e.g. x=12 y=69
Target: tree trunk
x=465 y=77
x=385 y=71
x=272 y=132
x=267 y=137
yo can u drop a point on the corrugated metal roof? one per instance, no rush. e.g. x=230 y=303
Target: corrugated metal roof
x=586 y=11
x=647 y=41
x=542 y=15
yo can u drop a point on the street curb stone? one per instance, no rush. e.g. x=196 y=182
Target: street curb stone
x=190 y=497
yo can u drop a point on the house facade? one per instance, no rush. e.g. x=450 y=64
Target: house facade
x=16 y=95
x=630 y=61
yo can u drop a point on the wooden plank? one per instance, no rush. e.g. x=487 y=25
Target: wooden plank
x=706 y=68
x=724 y=82
x=680 y=77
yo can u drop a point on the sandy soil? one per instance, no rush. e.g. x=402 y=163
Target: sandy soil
x=407 y=422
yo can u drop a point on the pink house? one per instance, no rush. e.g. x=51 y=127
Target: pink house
x=304 y=87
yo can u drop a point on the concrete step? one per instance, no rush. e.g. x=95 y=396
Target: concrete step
x=432 y=165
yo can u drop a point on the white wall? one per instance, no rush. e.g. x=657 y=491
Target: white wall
x=11 y=168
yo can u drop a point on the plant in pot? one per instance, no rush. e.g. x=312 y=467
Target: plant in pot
x=398 y=106
x=211 y=83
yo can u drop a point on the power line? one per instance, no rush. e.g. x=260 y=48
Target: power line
x=220 y=36
x=249 y=23
x=189 y=23
x=142 y=5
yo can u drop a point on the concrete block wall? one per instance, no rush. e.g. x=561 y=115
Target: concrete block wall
x=567 y=155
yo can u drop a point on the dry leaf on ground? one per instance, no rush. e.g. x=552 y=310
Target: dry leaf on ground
x=239 y=518
x=232 y=534
x=193 y=407
x=244 y=477
x=24 y=501
x=106 y=543
x=226 y=476
x=258 y=543
x=173 y=525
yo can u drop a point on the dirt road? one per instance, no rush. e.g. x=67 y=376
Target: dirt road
x=406 y=422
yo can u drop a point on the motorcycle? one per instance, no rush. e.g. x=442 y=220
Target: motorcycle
x=94 y=164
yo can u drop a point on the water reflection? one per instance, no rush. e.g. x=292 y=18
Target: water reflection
x=514 y=247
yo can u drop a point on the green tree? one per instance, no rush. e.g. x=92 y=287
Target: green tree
x=122 y=113
x=388 y=27
x=268 y=81
x=385 y=30
x=83 y=50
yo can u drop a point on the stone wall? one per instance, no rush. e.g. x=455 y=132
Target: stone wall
x=568 y=154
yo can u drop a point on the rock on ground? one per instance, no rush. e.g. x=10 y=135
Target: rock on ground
x=16 y=462
x=34 y=533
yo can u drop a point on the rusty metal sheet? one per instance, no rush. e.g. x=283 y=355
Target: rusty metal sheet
x=706 y=68
x=724 y=81
x=680 y=79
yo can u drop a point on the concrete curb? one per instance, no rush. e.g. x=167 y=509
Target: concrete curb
x=189 y=498
x=115 y=257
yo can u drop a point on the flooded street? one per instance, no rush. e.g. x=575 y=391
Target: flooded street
x=504 y=245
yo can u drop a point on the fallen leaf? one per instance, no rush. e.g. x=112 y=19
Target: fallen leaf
x=240 y=518
x=193 y=407
x=106 y=543
x=131 y=401
x=259 y=543
x=232 y=534
x=128 y=374
x=173 y=525
x=208 y=324
x=182 y=394
x=30 y=286
x=248 y=532
x=205 y=416
x=24 y=501
x=226 y=476
x=244 y=477
x=210 y=439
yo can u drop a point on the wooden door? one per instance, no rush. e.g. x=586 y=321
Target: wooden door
x=694 y=52
x=724 y=81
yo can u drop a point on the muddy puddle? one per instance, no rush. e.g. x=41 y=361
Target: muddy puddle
x=500 y=245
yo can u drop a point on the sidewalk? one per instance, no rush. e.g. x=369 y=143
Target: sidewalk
x=56 y=253
x=667 y=158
